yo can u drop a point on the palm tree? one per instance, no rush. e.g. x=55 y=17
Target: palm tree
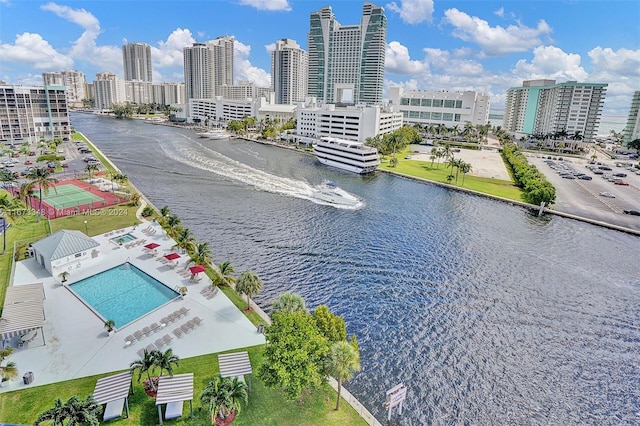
x=248 y=283
x=165 y=211
x=55 y=415
x=145 y=365
x=166 y=360
x=82 y=412
x=344 y=360
x=89 y=168
x=288 y=303
x=41 y=177
x=201 y=254
x=466 y=168
x=222 y=396
x=226 y=269
x=26 y=193
x=184 y=239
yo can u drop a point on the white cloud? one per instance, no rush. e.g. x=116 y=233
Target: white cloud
x=499 y=12
x=623 y=61
x=78 y=16
x=451 y=64
x=272 y=5
x=243 y=70
x=498 y=40
x=550 y=62
x=32 y=49
x=270 y=48
x=169 y=53
x=413 y=11
x=398 y=61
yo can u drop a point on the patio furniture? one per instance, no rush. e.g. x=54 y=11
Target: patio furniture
x=150 y=347
x=184 y=311
x=178 y=332
x=129 y=340
x=146 y=331
x=159 y=343
x=167 y=339
x=113 y=410
x=185 y=328
x=138 y=334
x=155 y=327
x=197 y=320
x=173 y=410
x=190 y=324
x=140 y=352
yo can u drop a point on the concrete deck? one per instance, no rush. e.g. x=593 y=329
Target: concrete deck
x=76 y=343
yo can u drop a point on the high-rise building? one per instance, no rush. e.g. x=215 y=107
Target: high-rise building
x=632 y=129
x=168 y=93
x=222 y=55
x=448 y=108
x=244 y=90
x=109 y=90
x=346 y=62
x=29 y=113
x=289 y=72
x=75 y=82
x=136 y=58
x=198 y=66
x=542 y=107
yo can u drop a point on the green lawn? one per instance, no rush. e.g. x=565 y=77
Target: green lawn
x=439 y=172
x=265 y=407
x=109 y=168
x=99 y=221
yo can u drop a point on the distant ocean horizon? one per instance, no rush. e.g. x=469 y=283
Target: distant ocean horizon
x=607 y=122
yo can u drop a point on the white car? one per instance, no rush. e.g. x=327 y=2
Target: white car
x=607 y=194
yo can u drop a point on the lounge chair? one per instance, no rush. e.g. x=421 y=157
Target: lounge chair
x=184 y=311
x=150 y=347
x=178 y=332
x=155 y=327
x=129 y=340
x=146 y=331
x=185 y=328
x=174 y=410
x=113 y=410
x=159 y=343
x=197 y=320
x=140 y=352
x=167 y=339
x=138 y=334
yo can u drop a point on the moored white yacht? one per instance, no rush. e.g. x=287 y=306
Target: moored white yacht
x=347 y=155
x=215 y=134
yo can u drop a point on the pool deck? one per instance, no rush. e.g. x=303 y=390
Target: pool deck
x=76 y=342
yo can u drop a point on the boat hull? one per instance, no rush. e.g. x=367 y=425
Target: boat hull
x=347 y=167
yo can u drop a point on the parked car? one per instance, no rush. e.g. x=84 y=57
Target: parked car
x=632 y=212
x=621 y=183
x=28 y=162
x=51 y=165
x=607 y=195
x=620 y=174
x=585 y=177
x=65 y=166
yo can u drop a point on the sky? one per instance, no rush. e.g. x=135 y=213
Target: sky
x=482 y=45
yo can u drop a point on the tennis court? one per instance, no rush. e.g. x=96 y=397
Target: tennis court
x=69 y=195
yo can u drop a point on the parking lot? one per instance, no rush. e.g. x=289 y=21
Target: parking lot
x=72 y=166
x=592 y=191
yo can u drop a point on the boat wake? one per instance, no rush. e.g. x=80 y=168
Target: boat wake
x=205 y=158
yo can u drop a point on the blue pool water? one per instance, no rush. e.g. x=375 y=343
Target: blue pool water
x=124 y=237
x=123 y=293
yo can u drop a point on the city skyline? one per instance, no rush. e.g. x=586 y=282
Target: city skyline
x=487 y=46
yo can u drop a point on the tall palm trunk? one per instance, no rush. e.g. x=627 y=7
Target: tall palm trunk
x=339 y=390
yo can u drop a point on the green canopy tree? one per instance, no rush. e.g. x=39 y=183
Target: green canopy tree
x=330 y=325
x=165 y=361
x=294 y=354
x=82 y=412
x=56 y=415
x=222 y=396
x=249 y=284
x=343 y=361
x=145 y=364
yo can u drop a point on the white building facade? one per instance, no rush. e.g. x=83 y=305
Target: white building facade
x=446 y=108
x=346 y=62
x=244 y=90
x=29 y=113
x=542 y=107
x=136 y=58
x=632 y=129
x=222 y=56
x=75 y=82
x=108 y=90
x=289 y=65
x=198 y=72
x=168 y=93
x=354 y=123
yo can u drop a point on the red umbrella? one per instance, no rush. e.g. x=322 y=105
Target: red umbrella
x=172 y=256
x=197 y=269
x=151 y=246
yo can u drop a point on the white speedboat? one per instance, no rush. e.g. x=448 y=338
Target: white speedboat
x=330 y=193
x=214 y=134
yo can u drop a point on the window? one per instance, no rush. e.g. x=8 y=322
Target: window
x=436 y=116
x=447 y=116
x=415 y=102
x=425 y=102
x=425 y=115
x=456 y=117
x=414 y=114
x=458 y=105
x=437 y=103
x=404 y=101
x=449 y=103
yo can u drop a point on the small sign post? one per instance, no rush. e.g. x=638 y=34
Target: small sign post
x=395 y=396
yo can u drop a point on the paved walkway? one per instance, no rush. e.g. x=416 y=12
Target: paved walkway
x=77 y=344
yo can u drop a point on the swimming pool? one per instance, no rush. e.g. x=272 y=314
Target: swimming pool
x=124 y=237
x=123 y=293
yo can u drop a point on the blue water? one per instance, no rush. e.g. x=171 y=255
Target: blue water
x=490 y=316
x=123 y=293
x=124 y=237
